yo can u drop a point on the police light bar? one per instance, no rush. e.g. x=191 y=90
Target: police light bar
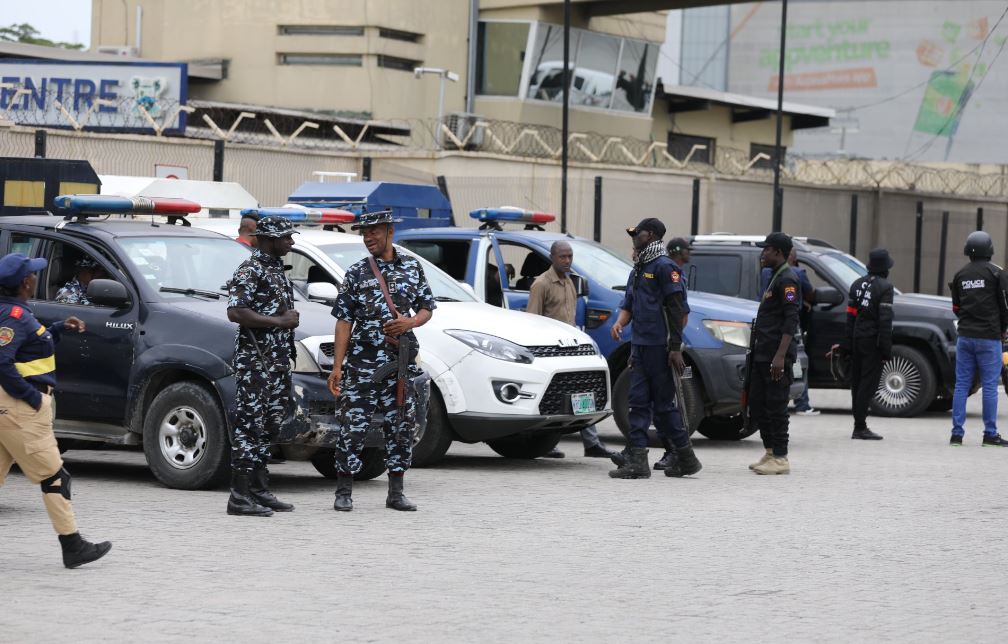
x=109 y=204
x=511 y=214
x=298 y=215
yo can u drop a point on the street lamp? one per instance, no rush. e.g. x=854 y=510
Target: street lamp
x=444 y=74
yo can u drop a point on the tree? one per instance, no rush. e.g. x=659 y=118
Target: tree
x=30 y=35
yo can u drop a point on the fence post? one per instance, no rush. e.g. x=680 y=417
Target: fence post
x=366 y=169
x=979 y=218
x=695 y=212
x=853 y=224
x=40 y=144
x=917 y=245
x=442 y=185
x=218 y=160
x=942 y=252
x=597 y=227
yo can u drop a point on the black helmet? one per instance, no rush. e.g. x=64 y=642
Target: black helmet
x=979 y=244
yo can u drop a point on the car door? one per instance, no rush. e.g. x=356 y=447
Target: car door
x=826 y=327
x=522 y=263
x=92 y=368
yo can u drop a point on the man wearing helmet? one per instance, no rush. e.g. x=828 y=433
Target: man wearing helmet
x=979 y=301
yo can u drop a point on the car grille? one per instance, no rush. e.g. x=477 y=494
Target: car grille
x=327 y=349
x=556 y=400
x=556 y=351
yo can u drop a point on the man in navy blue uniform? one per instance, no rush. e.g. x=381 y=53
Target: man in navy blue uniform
x=656 y=303
x=27 y=382
x=261 y=302
x=373 y=324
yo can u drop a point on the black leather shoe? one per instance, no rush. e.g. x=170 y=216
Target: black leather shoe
x=554 y=453
x=667 y=458
x=259 y=489
x=344 y=490
x=241 y=502
x=396 y=499
x=77 y=551
x=597 y=451
x=994 y=441
x=687 y=462
x=619 y=459
x=865 y=435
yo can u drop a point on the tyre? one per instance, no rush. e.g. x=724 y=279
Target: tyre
x=907 y=386
x=525 y=445
x=185 y=437
x=692 y=395
x=725 y=428
x=324 y=461
x=430 y=445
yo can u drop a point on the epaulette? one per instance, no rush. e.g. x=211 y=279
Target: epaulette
x=16 y=312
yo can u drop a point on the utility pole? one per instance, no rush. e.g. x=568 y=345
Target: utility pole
x=778 y=204
x=565 y=126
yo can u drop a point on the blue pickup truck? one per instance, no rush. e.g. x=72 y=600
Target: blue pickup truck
x=501 y=265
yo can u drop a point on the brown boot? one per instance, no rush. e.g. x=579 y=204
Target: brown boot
x=763 y=459
x=774 y=465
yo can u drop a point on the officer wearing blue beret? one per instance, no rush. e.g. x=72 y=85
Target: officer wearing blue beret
x=27 y=380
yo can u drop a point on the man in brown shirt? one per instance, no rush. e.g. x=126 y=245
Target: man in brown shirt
x=553 y=295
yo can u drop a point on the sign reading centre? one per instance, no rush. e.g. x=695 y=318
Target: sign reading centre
x=112 y=96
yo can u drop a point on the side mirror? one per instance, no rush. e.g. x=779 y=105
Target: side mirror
x=829 y=296
x=580 y=285
x=108 y=293
x=324 y=292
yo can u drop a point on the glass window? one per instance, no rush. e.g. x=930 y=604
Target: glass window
x=319 y=30
x=351 y=60
x=720 y=274
x=396 y=34
x=450 y=256
x=394 y=62
x=546 y=79
x=500 y=54
x=595 y=70
x=844 y=268
x=601 y=263
x=530 y=264
x=635 y=79
x=201 y=263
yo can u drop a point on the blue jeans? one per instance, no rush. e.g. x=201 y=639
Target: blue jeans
x=973 y=355
x=801 y=403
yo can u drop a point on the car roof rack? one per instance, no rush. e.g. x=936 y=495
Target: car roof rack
x=80 y=208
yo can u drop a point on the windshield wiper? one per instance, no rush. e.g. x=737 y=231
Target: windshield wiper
x=445 y=298
x=190 y=292
x=618 y=287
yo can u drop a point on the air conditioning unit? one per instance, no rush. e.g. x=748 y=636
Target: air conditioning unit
x=462 y=125
x=119 y=50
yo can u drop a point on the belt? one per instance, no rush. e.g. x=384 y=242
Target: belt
x=46 y=389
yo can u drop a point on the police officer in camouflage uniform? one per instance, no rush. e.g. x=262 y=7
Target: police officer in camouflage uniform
x=75 y=291
x=366 y=333
x=261 y=302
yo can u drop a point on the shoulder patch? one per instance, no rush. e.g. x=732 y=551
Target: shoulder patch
x=6 y=335
x=675 y=276
x=16 y=312
x=790 y=293
x=243 y=273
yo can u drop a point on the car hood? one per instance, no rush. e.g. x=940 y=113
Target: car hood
x=722 y=307
x=315 y=318
x=918 y=299
x=519 y=327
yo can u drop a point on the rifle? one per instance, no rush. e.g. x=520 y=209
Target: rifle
x=679 y=399
x=399 y=367
x=747 y=378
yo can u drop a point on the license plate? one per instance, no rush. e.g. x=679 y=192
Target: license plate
x=796 y=370
x=583 y=404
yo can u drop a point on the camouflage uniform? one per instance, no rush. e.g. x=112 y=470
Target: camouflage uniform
x=362 y=304
x=73 y=293
x=263 y=372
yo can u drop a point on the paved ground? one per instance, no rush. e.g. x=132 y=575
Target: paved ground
x=898 y=540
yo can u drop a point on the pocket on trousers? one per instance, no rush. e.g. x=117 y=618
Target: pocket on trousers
x=36 y=445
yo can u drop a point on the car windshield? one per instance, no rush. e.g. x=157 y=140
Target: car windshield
x=185 y=263
x=605 y=266
x=445 y=289
x=847 y=269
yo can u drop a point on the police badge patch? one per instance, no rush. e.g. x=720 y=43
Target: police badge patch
x=6 y=336
x=675 y=277
x=790 y=293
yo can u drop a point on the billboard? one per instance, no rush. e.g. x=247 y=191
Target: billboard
x=911 y=79
x=113 y=96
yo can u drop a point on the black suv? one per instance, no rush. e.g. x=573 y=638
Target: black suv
x=920 y=376
x=154 y=367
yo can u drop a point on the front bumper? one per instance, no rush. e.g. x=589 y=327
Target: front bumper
x=474 y=427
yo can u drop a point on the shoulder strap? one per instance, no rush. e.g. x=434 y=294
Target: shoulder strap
x=773 y=279
x=383 y=286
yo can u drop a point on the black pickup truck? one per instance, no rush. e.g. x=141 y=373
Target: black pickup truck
x=921 y=375
x=154 y=367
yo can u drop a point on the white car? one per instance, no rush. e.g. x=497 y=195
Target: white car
x=508 y=378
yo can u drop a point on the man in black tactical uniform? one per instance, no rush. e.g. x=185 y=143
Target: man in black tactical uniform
x=979 y=301
x=261 y=302
x=868 y=338
x=774 y=355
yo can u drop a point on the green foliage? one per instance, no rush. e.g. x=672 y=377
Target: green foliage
x=25 y=33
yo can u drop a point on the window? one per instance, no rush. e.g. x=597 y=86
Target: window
x=450 y=256
x=720 y=274
x=679 y=146
x=319 y=30
x=303 y=271
x=393 y=62
x=636 y=76
x=201 y=263
x=769 y=150
x=531 y=264
x=396 y=34
x=500 y=54
x=347 y=60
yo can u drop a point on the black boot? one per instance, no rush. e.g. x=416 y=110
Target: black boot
x=344 y=490
x=242 y=502
x=635 y=467
x=687 y=464
x=259 y=488
x=396 y=499
x=77 y=551
x=668 y=457
x=865 y=434
x=619 y=458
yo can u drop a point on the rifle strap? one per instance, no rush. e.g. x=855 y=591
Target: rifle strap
x=385 y=292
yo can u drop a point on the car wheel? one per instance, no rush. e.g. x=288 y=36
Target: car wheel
x=692 y=395
x=324 y=461
x=431 y=444
x=525 y=445
x=907 y=386
x=185 y=438
x=726 y=428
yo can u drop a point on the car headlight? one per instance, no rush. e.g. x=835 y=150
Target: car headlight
x=303 y=360
x=734 y=333
x=492 y=346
